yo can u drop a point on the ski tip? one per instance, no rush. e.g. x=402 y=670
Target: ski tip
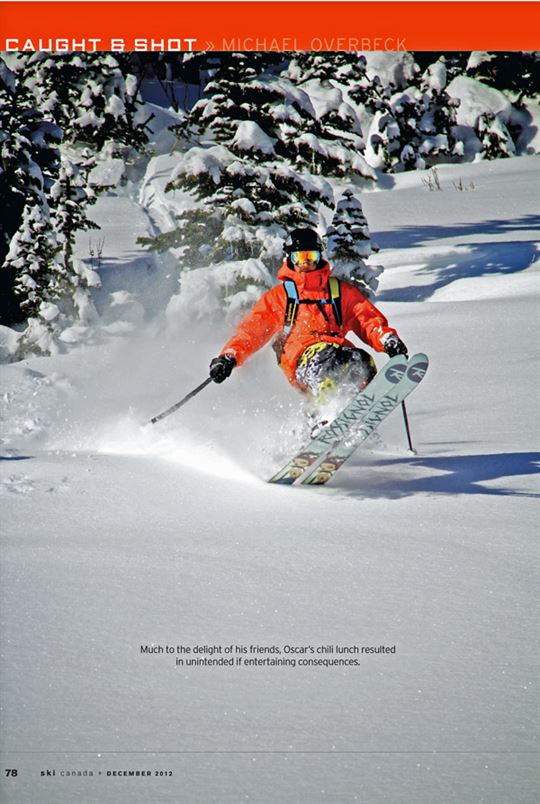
x=282 y=481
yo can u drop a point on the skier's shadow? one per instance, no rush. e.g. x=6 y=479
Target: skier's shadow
x=455 y=474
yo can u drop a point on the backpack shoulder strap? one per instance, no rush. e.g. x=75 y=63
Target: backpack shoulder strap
x=334 y=287
x=291 y=310
x=293 y=300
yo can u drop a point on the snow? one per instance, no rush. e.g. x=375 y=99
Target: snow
x=391 y=67
x=9 y=340
x=161 y=207
x=292 y=95
x=123 y=265
x=203 y=160
x=327 y=99
x=438 y=142
x=49 y=311
x=108 y=173
x=435 y=76
x=159 y=121
x=475 y=99
x=478 y=57
x=115 y=106
x=117 y=535
x=250 y=137
x=202 y=290
x=89 y=119
x=529 y=140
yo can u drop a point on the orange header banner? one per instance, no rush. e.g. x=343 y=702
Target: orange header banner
x=317 y=26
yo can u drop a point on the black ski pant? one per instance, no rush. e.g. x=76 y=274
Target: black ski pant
x=324 y=367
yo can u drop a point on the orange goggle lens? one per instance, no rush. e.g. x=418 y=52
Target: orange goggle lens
x=301 y=257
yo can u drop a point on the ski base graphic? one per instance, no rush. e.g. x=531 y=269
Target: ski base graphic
x=340 y=452
x=353 y=413
x=349 y=419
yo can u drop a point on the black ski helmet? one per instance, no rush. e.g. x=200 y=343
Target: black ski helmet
x=303 y=240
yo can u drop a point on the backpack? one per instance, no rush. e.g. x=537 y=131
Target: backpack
x=291 y=310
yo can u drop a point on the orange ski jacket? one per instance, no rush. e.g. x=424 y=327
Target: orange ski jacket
x=267 y=319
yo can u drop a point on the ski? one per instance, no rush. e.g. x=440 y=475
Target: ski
x=340 y=452
x=338 y=429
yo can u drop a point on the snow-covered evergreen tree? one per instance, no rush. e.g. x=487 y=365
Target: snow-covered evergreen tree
x=349 y=244
x=249 y=171
x=242 y=209
x=224 y=105
x=366 y=92
x=71 y=195
x=455 y=62
x=415 y=127
x=245 y=87
x=383 y=145
x=44 y=198
x=29 y=161
x=322 y=65
x=496 y=141
x=52 y=286
x=29 y=156
x=92 y=96
x=438 y=119
x=326 y=78
x=517 y=72
x=34 y=255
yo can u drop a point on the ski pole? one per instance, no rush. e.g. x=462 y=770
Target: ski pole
x=407 y=428
x=183 y=401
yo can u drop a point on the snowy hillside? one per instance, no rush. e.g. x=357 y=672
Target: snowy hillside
x=117 y=536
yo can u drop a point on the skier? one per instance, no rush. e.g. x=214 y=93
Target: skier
x=311 y=314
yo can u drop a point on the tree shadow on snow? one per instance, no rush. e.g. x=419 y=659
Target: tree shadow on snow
x=413 y=236
x=482 y=259
x=456 y=474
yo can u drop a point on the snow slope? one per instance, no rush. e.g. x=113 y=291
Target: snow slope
x=117 y=536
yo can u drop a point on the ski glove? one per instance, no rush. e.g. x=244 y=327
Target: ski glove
x=394 y=346
x=221 y=367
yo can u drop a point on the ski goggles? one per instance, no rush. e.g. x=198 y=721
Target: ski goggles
x=301 y=257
